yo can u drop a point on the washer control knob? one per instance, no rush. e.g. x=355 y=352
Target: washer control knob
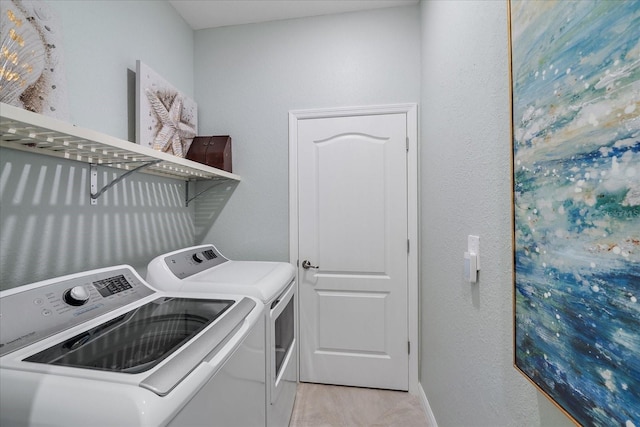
x=196 y=258
x=76 y=296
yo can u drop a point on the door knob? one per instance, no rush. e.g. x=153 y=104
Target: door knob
x=307 y=265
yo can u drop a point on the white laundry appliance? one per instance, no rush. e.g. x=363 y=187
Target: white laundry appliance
x=204 y=269
x=103 y=348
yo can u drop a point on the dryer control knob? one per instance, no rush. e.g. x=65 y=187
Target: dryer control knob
x=77 y=295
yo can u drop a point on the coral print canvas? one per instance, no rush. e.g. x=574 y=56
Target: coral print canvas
x=167 y=120
x=576 y=152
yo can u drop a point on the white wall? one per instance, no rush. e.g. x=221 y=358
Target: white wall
x=103 y=40
x=47 y=227
x=247 y=79
x=467 y=346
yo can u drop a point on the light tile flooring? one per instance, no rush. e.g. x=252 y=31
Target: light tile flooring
x=319 y=405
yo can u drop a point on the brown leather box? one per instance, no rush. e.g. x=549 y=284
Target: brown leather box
x=214 y=151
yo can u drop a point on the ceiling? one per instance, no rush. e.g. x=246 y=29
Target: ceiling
x=201 y=14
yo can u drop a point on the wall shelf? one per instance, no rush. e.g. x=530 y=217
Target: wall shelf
x=27 y=131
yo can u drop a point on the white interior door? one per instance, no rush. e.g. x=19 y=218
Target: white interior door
x=353 y=226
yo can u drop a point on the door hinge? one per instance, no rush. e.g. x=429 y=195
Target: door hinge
x=408 y=347
x=407 y=141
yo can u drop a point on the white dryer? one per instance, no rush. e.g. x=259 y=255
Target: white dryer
x=204 y=269
x=104 y=348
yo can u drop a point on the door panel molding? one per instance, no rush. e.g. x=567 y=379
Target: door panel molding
x=351 y=134
x=410 y=111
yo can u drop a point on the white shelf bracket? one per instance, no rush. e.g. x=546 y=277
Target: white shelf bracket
x=211 y=187
x=95 y=193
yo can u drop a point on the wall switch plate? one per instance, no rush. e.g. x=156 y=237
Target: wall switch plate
x=470 y=267
x=473 y=246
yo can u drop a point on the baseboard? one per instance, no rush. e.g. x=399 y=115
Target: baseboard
x=431 y=419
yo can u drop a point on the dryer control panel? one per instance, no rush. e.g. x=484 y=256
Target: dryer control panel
x=193 y=260
x=33 y=312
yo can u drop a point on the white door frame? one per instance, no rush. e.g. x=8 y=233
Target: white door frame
x=411 y=111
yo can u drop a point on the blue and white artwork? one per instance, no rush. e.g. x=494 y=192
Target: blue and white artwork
x=576 y=145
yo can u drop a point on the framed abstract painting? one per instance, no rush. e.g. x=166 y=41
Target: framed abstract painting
x=575 y=76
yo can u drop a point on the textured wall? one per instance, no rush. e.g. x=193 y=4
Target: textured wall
x=103 y=40
x=247 y=79
x=466 y=360
x=47 y=227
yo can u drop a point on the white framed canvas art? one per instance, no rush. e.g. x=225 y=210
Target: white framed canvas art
x=166 y=120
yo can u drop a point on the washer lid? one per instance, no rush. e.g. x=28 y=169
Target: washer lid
x=138 y=340
x=162 y=341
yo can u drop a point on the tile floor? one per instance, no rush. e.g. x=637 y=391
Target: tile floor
x=335 y=406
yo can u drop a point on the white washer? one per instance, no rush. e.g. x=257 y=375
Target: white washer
x=104 y=348
x=204 y=269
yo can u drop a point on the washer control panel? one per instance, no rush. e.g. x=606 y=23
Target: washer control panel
x=33 y=312
x=194 y=260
